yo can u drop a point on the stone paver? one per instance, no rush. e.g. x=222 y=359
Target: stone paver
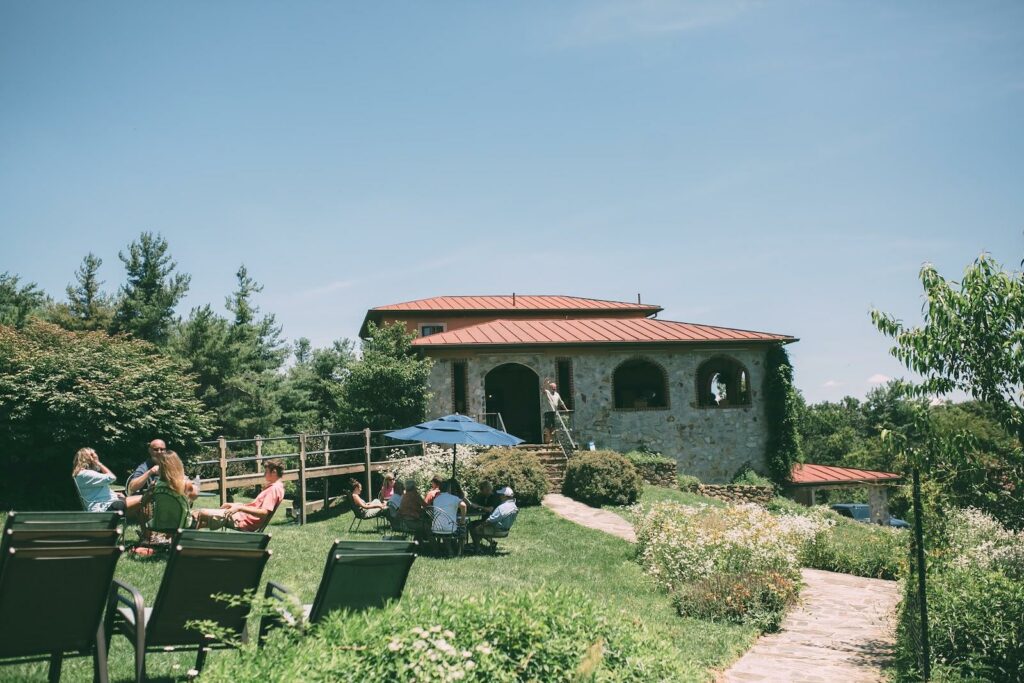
x=584 y=515
x=842 y=630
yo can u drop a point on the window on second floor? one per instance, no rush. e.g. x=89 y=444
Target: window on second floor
x=427 y=329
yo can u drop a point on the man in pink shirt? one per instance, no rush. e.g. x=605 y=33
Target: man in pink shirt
x=247 y=517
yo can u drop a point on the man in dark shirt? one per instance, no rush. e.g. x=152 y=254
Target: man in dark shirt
x=485 y=500
x=148 y=472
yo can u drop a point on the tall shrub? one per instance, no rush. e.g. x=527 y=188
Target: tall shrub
x=521 y=470
x=781 y=415
x=60 y=391
x=602 y=478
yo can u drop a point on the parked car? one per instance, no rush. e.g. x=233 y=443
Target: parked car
x=862 y=513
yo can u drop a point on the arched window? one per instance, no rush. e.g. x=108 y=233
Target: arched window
x=639 y=384
x=722 y=382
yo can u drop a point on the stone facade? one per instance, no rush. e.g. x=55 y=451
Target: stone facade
x=658 y=474
x=710 y=443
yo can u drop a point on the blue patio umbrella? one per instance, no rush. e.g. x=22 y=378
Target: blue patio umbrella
x=455 y=429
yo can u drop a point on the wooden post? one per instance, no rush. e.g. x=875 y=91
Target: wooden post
x=368 y=492
x=327 y=461
x=222 y=448
x=302 y=479
x=259 y=454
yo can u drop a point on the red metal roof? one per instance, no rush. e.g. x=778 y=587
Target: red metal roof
x=591 y=331
x=825 y=474
x=528 y=302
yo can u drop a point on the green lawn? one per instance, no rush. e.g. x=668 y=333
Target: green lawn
x=543 y=549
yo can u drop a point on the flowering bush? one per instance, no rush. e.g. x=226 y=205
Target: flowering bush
x=541 y=635
x=701 y=554
x=976 y=540
x=437 y=461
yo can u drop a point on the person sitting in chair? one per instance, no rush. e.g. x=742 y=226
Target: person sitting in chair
x=500 y=519
x=485 y=500
x=435 y=489
x=387 y=489
x=452 y=506
x=172 y=476
x=148 y=472
x=360 y=507
x=93 y=480
x=247 y=517
x=396 y=498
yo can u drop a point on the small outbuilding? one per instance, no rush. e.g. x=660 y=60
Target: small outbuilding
x=808 y=479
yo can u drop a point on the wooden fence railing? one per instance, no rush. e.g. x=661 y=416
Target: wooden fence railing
x=306 y=457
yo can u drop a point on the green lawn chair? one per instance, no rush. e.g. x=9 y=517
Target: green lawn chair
x=192 y=576
x=51 y=605
x=63 y=520
x=59 y=529
x=207 y=538
x=354 y=578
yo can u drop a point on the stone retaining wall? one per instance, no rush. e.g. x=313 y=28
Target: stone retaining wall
x=735 y=493
x=658 y=473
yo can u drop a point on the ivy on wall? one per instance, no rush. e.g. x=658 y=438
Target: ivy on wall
x=781 y=405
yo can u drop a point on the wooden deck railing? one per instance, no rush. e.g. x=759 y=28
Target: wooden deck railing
x=359 y=452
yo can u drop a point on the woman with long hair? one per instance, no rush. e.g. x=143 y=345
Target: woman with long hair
x=93 y=478
x=172 y=474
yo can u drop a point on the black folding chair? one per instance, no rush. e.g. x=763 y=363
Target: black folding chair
x=193 y=575
x=355 y=578
x=227 y=538
x=51 y=604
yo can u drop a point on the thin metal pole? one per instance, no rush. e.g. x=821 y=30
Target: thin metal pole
x=922 y=595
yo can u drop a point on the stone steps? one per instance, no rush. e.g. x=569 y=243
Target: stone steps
x=553 y=460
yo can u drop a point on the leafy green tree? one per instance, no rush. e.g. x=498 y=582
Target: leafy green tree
x=145 y=308
x=387 y=386
x=18 y=303
x=313 y=394
x=972 y=338
x=87 y=308
x=829 y=432
x=61 y=390
x=782 y=408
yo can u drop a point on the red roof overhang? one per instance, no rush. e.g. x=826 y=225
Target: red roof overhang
x=806 y=474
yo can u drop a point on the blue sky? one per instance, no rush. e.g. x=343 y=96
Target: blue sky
x=779 y=166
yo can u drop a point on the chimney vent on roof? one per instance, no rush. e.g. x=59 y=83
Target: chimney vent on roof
x=638 y=297
x=513 y=299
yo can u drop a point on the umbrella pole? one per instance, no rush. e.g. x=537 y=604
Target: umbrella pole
x=454 y=447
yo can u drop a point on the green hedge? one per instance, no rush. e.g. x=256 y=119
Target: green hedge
x=543 y=635
x=521 y=470
x=602 y=478
x=976 y=627
x=860 y=549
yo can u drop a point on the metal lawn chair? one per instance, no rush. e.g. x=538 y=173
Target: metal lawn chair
x=447 y=531
x=358 y=575
x=490 y=535
x=52 y=600
x=59 y=529
x=195 y=571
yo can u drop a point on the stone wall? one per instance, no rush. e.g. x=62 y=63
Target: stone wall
x=710 y=443
x=658 y=473
x=735 y=493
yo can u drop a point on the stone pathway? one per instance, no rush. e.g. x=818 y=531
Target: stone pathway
x=842 y=630
x=584 y=515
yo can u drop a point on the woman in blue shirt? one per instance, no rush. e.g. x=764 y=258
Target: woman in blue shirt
x=93 y=480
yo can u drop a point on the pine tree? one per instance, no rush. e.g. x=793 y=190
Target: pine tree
x=147 y=300
x=88 y=308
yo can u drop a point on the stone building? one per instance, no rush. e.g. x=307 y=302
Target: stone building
x=692 y=392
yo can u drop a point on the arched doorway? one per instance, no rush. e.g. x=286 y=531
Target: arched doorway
x=514 y=391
